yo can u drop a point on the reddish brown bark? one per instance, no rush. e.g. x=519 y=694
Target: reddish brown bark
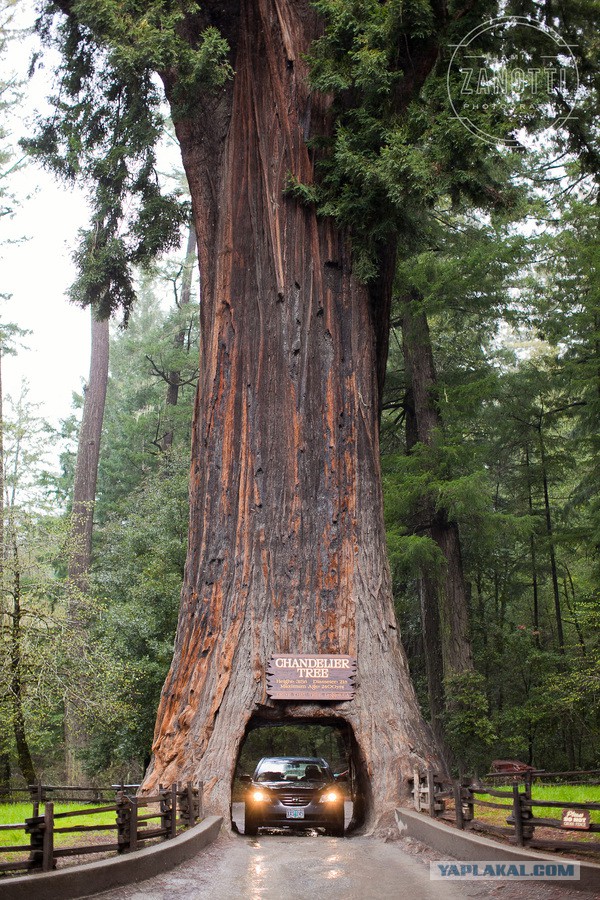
x=287 y=545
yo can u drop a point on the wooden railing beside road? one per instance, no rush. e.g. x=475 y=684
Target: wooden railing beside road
x=431 y=793
x=137 y=820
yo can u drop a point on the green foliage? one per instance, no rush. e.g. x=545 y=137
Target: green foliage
x=136 y=415
x=467 y=726
x=10 y=97
x=32 y=610
x=139 y=551
x=512 y=317
x=397 y=150
x=293 y=740
x=141 y=554
x=106 y=124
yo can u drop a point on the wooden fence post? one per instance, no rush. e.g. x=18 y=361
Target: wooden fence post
x=517 y=817
x=431 y=792
x=37 y=796
x=466 y=795
x=460 y=822
x=48 y=838
x=188 y=805
x=123 y=822
x=133 y=827
x=200 y=808
x=173 y=822
x=164 y=812
x=34 y=827
x=191 y=805
x=417 y=790
x=526 y=814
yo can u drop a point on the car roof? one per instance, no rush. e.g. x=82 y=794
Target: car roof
x=305 y=759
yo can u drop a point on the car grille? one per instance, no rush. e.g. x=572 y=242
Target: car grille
x=294 y=799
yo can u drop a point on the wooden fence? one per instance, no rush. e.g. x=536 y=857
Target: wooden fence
x=137 y=820
x=431 y=792
x=40 y=792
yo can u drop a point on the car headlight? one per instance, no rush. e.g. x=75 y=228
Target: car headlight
x=330 y=797
x=259 y=796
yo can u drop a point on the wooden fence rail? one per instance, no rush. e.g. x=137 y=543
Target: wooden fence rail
x=430 y=792
x=177 y=806
x=40 y=792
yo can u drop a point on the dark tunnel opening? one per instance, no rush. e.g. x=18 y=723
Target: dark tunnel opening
x=280 y=794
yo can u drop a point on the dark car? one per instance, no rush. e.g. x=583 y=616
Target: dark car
x=292 y=790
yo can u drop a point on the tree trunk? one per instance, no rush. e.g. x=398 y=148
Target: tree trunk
x=444 y=601
x=88 y=455
x=2 y=550
x=533 y=555
x=286 y=546
x=551 y=549
x=16 y=674
x=80 y=549
x=428 y=595
x=13 y=589
x=4 y=754
x=174 y=376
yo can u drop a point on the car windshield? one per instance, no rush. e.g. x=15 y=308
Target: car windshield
x=292 y=770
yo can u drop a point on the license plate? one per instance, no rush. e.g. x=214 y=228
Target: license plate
x=294 y=813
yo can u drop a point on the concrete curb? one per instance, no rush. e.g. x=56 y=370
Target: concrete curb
x=92 y=878
x=465 y=845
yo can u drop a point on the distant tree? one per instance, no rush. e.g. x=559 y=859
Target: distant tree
x=9 y=96
x=22 y=453
x=460 y=283
x=174 y=377
x=82 y=521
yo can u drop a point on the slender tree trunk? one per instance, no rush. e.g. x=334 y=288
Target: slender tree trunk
x=533 y=553
x=428 y=598
x=569 y=588
x=551 y=550
x=2 y=550
x=174 y=376
x=16 y=674
x=286 y=545
x=88 y=455
x=4 y=754
x=80 y=555
x=444 y=598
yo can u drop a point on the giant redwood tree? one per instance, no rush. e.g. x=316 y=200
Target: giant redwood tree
x=303 y=184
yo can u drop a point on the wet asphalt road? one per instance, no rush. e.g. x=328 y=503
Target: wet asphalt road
x=310 y=866
x=294 y=867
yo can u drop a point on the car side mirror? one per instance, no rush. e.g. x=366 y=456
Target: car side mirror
x=245 y=779
x=341 y=777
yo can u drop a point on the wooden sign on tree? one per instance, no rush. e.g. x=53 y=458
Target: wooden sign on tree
x=295 y=676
